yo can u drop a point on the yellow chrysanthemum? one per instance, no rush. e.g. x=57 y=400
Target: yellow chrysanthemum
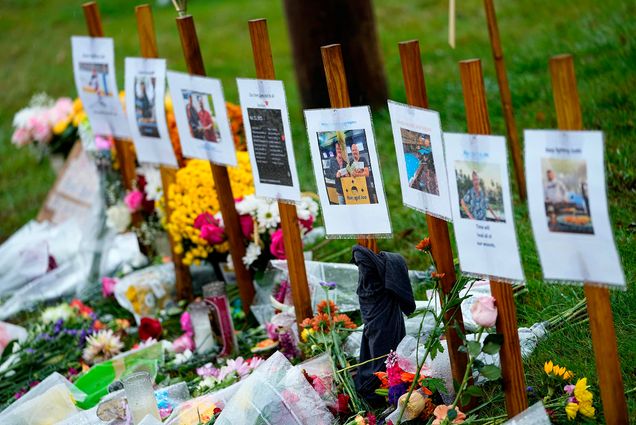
x=548 y=366
x=581 y=392
x=571 y=409
x=586 y=409
x=568 y=375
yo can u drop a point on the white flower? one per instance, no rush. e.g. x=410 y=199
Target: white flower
x=252 y=253
x=118 y=217
x=307 y=207
x=219 y=217
x=267 y=215
x=182 y=358
x=154 y=188
x=21 y=118
x=248 y=205
x=207 y=383
x=53 y=314
x=101 y=346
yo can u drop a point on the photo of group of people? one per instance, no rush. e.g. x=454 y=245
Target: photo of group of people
x=567 y=204
x=200 y=114
x=420 y=166
x=346 y=167
x=480 y=191
x=145 y=112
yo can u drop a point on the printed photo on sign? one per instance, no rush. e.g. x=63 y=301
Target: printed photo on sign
x=419 y=150
x=345 y=167
x=201 y=115
x=565 y=189
x=482 y=206
x=268 y=135
x=145 y=91
x=347 y=171
x=480 y=191
x=567 y=200
x=94 y=69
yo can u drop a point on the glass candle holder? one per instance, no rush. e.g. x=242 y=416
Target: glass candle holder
x=140 y=396
x=203 y=337
x=215 y=297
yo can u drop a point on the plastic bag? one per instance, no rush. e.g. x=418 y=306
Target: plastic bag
x=49 y=402
x=201 y=409
x=320 y=370
x=10 y=332
x=276 y=393
x=534 y=415
x=147 y=291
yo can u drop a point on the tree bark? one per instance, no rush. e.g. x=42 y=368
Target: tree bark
x=350 y=23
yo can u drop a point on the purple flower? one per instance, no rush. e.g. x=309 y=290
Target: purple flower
x=281 y=293
x=569 y=389
x=328 y=285
x=58 y=326
x=287 y=346
x=207 y=370
x=396 y=391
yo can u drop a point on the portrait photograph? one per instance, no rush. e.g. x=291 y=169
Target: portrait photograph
x=420 y=165
x=199 y=110
x=480 y=191
x=145 y=113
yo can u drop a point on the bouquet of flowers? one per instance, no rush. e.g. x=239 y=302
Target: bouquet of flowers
x=48 y=125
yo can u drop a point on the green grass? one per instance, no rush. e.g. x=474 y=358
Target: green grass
x=35 y=53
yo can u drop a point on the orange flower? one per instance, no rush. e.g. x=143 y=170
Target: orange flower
x=322 y=307
x=384 y=380
x=424 y=245
x=407 y=377
x=320 y=322
x=344 y=320
x=306 y=323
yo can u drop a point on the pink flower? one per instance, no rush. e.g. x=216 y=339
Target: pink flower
x=5 y=338
x=204 y=218
x=247 y=225
x=394 y=375
x=255 y=362
x=186 y=323
x=41 y=131
x=441 y=412
x=277 y=246
x=484 y=311
x=20 y=137
x=103 y=143
x=108 y=286
x=184 y=342
x=212 y=234
x=569 y=389
x=307 y=224
x=133 y=200
x=319 y=385
x=207 y=370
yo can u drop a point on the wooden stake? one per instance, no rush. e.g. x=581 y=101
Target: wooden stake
x=264 y=62
x=441 y=250
x=506 y=99
x=339 y=98
x=194 y=62
x=148 y=45
x=599 y=309
x=510 y=354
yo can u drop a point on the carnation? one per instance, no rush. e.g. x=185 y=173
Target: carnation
x=101 y=346
x=118 y=217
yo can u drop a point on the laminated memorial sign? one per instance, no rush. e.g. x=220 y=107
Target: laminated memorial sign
x=347 y=172
x=481 y=206
x=94 y=68
x=199 y=108
x=268 y=136
x=568 y=207
x=417 y=134
x=145 y=89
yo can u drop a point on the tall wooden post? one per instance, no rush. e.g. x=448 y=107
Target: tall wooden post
x=599 y=309
x=510 y=354
x=441 y=250
x=264 y=63
x=148 y=45
x=194 y=62
x=339 y=98
x=506 y=100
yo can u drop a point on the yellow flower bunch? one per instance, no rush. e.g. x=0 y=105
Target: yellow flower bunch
x=557 y=371
x=74 y=118
x=583 y=403
x=192 y=194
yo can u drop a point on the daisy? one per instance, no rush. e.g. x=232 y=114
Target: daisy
x=101 y=346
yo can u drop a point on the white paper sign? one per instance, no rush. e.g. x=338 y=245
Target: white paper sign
x=568 y=206
x=94 y=68
x=145 y=89
x=199 y=108
x=269 y=140
x=481 y=205
x=352 y=197
x=533 y=415
x=417 y=134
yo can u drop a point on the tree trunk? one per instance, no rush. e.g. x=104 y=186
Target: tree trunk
x=351 y=23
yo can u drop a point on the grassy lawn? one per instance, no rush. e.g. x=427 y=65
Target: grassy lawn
x=35 y=53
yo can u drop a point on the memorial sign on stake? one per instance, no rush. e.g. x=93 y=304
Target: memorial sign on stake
x=148 y=47
x=511 y=365
x=482 y=209
x=599 y=309
x=347 y=172
x=145 y=89
x=194 y=61
x=268 y=136
x=94 y=69
x=264 y=64
x=417 y=134
x=199 y=109
x=568 y=207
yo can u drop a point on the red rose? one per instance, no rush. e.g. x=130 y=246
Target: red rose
x=149 y=328
x=247 y=225
x=277 y=245
x=343 y=403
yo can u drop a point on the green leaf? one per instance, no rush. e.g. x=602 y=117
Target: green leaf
x=434 y=384
x=465 y=399
x=490 y=372
x=492 y=343
x=474 y=348
x=382 y=391
x=474 y=390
